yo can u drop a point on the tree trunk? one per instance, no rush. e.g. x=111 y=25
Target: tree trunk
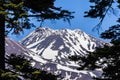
x=2 y=42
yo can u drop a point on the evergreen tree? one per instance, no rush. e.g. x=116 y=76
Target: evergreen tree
x=100 y=8
x=15 y=16
x=19 y=68
x=106 y=57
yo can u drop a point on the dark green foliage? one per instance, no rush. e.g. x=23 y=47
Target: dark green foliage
x=2 y=42
x=18 y=12
x=19 y=68
x=100 y=8
x=16 y=15
x=113 y=33
x=106 y=57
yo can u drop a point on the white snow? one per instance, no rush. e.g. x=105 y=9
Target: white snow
x=37 y=58
x=69 y=69
x=75 y=42
x=33 y=49
x=49 y=53
x=6 y=44
x=35 y=43
x=61 y=47
x=92 y=74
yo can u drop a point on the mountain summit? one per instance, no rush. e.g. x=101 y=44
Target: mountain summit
x=53 y=47
x=57 y=45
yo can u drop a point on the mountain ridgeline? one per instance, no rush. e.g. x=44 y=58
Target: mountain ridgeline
x=50 y=50
x=44 y=41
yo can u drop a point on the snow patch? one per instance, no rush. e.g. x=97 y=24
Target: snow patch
x=49 y=53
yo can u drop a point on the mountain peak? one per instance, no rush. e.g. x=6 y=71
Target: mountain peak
x=50 y=50
x=57 y=45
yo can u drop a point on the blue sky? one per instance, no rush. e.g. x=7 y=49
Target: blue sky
x=79 y=22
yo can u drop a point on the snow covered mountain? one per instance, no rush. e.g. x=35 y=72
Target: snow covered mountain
x=12 y=47
x=57 y=45
x=54 y=47
x=50 y=50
